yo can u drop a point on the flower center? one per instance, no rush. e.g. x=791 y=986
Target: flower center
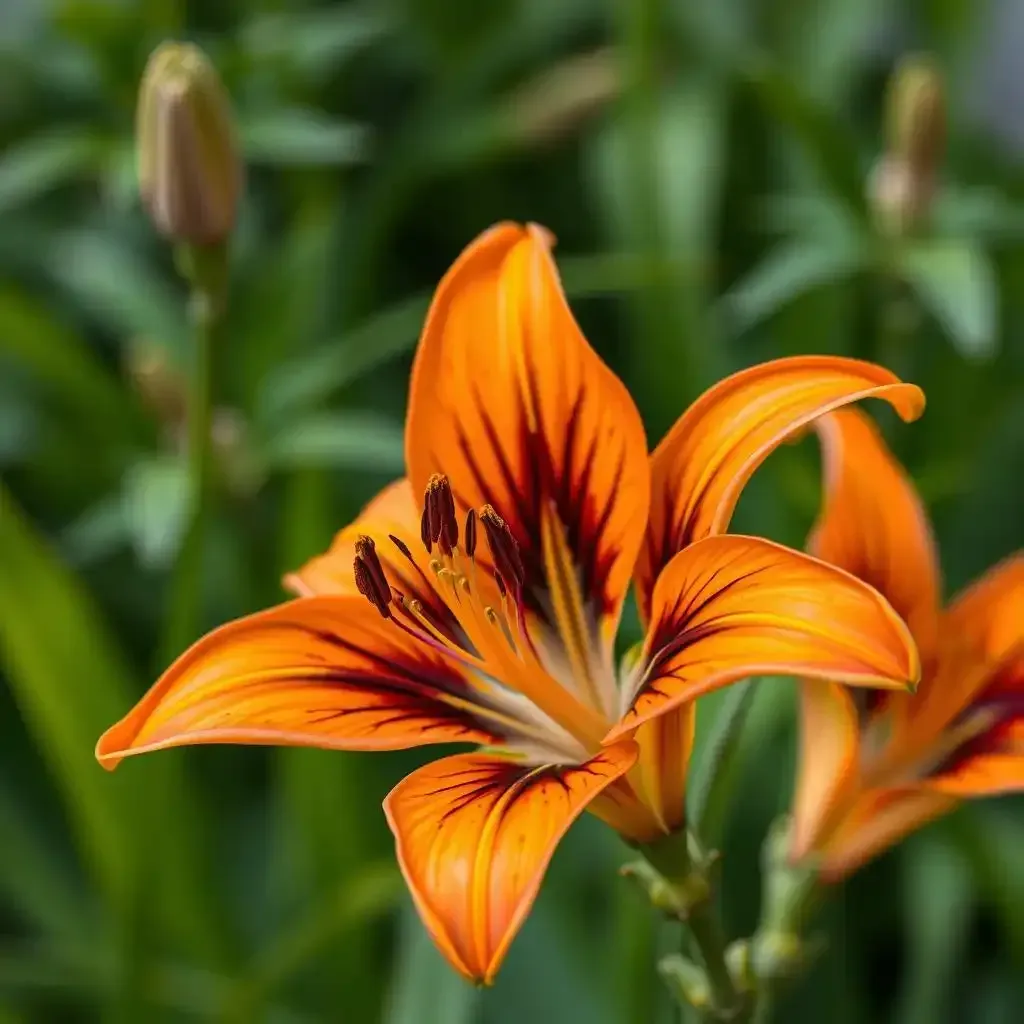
x=490 y=635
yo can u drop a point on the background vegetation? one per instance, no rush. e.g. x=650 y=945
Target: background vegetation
x=703 y=165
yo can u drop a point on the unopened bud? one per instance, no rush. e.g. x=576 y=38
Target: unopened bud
x=554 y=103
x=916 y=117
x=899 y=199
x=190 y=172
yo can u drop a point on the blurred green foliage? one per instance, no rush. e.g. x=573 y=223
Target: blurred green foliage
x=704 y=167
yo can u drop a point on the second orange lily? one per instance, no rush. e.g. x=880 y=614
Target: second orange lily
x=879 y=766
x=486 y=613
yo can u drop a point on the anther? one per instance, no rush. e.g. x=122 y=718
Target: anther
x=470 y=536
x=401 y=545
x=508 y=563
x=438 y=524
x=425 y=536
x=369 y=575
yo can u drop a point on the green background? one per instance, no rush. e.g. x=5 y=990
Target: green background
x=703 y=167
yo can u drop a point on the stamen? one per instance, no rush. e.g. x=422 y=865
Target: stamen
x=369 y=574
x=502 y=623
x=508 y=563
x=470 y=533
x=425 y=529
x=402 y=546
x=438 y=522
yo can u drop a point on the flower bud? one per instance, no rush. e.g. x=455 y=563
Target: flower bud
x=916 y=114
x=190 y=173
x=903 y=183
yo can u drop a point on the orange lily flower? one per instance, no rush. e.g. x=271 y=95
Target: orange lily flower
x=877 y=766
x=486 y=613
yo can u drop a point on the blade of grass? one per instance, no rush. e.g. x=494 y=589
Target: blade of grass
x=42 y=890
x=371 y=893
x=70 y=681
x=425 y=990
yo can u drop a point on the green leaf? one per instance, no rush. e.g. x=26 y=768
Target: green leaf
x=70 y=682
x=359 y=900
x=306 y=382
x=98 y=532
x=316 y=42
x=715 y=775
x=822 y=135
x=425 y=989
x=31 y=168
x=956 y=283
x=733 y=726
x=156 y=507
x=338 y=440
x=297 y=137
x=117 y=285
x=18 y=424
x=790 y=270
x=60 y=359
x=939 y=898
x=989 y=838
x=33 y=881
x=982 y=215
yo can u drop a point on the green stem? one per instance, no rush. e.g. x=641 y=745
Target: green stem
x=764 y=1007
x=206 y=272
x=678 y=876
x=705 y=926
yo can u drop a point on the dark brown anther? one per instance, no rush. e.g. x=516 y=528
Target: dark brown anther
x=470 y=534
x=501 y=583
x=370 y=579
x=428 y=541
x=508 y=563
x=439 y=523
x=401 y=545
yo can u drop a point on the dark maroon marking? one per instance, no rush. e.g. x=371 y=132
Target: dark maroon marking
x=419 y=687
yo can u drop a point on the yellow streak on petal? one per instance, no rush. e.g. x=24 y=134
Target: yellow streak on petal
x=567 y=603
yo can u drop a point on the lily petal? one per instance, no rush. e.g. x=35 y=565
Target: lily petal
x=511 y=403
x=991 y=760
x=474 y=835
x=880 y=819
x=980 y=633
x=729 y=607
x=989 y=614
x=874 y=525
x=699 y=469
x=316 y=672
x=666 y=744
x=829 y=752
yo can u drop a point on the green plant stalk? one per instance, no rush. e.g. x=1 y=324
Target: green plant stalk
x=678 y=878
x=779 y=950
x=206 y=272
x=705 y=926
x=764 y=1008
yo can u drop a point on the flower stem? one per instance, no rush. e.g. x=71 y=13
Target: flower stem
x=705 y=926
x=206 y=272
x=678 y=876
x=764 y=1008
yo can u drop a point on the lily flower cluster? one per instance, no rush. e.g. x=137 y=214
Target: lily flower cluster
x=477 y=601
